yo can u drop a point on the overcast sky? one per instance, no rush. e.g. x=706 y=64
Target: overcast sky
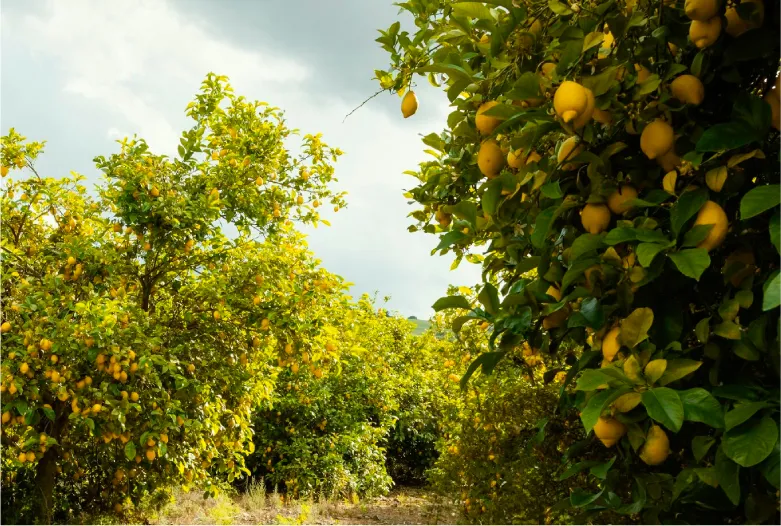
x=82 y=74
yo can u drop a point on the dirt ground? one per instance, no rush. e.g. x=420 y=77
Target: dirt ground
x=401 y=506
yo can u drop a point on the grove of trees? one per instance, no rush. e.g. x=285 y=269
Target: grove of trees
x=613 y=167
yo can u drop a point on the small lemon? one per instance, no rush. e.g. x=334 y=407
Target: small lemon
x=704 y=33
x=515 y=159
x=618 y=201
x=701 y=9
x=490 y=158
x=656 y=448
x=609 y=431
x=569 y=149
x=657 y=139
x=712 y=214
x=669 y=161
x=484 y=123
x=688 y=89
x=409 y=104
x=570 y=100
x=610 y=344
x=595 y=218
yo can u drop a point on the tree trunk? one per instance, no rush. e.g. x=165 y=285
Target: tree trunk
x=46 y=472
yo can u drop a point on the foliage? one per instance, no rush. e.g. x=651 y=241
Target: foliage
x=656 y=247
x=137 y=336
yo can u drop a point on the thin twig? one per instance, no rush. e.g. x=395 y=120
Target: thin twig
x=362 y=103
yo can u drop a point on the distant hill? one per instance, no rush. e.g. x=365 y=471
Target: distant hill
x=420 y=325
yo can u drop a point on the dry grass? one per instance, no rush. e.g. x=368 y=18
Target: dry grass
x=256 y=506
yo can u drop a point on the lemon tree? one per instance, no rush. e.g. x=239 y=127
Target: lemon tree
x=137 y=336
x=627 y=151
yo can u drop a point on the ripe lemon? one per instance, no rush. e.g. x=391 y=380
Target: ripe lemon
x=5 y=327
x=484 y=123
x=515 y=159
x=712 y=214
x=744 y=256
x=570 y=101
x=736 y=26
x=688 y=89
x=150 y=455
x=610 y=344
x=586 y=116
x=642 y=73
x=134 y=396
x=603 y=117
x=548 y=69
x=490 y=158
x=409 y=104
x=669 y=161
x=656 y=448
x=704 y=34
x=609 y=431
x=701 y=9
x=618 y=201
x=569 y=149
x=657 y=139
x=595 y=218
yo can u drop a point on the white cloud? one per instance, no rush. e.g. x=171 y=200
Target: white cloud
x=140 y=62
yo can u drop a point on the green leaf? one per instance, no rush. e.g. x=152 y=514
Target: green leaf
x=559 y=8
x=728 y=476
x=466 y=210
x=596 y=404
x=49 y=412
x=686 y=207
x=459 y=322
x=696 y=234
x=664 y=406
x=726 y=136
x=451 y=302
x=771 y=467
x=593 y=39
x=130 y=450
x=593 y=313
x=771 y=292
x=760 y=199
x=691 y=262
x=741 y=413
x=654 y=370
x=746 y=350
x=487 y=360
x=544 y=221
x=476 y=10
x=775 y=231
x=591 y=379
x=700 y=447
x=489 y=297
x=576 y=468
x=702 y=330
x=677 y=369
x=491 y=197
x=634 y=328
x=584 y=244
x=751 y=442
x=454 y=72
x=646 y=252
x=700 y=406
x=601 y=470
x=683 y=481
x=551 y=190
x=451 y=238
x=728 y=330
x=620 y=235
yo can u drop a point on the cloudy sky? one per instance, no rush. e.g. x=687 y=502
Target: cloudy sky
x=82 y=74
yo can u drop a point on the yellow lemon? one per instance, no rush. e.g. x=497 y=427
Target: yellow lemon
x=701 y=9
x=490 y=158
x=610 y=344
x=609 y=431
x=704 y=33
x=409 y=104
x=554 y=293
x=642 y=73
x=548 y=69
x=570 y=101
x=484 y=123
x=603 y=117
x=736 y=26
x=688 y=89
x=595 y=218
x=515 y=159
x=669 y=161
x=5 y=327
x=618 y=201
x=656 y=448
x=588 y=113
x=657 y=139
x=569 y=149
x=712 y=214
x=150 y=455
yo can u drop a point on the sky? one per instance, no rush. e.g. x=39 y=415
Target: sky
x=82 y=74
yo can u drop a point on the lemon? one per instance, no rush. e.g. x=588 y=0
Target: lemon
x=602 y=117
x=515 y=159
x=533 y=157
x=657 y=139
x=490 y=158
x=581 y=121
x=704 y=34
x=656 y=448
x=736 y=26
x=595 y=218
x=610 y=344
x=409 y=104
x=618 y=201
x=150 y=455
x=548 y=69
x=484 y=123
x=688 y=89
x=712 y=214
x=609 y=431
x=569 y=149
x=5 y=327
x=443 y=218
x=701 y=9
x=570 y=101
x=669 y=180
x=642 y=73
x=669 y=161
x=485 y=39
x=745 y=257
